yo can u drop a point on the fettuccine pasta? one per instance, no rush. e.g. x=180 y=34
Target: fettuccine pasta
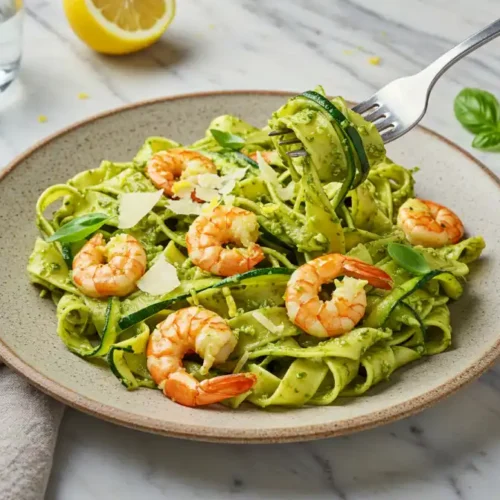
x=274 y=214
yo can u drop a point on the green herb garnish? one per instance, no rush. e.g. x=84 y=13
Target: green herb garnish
x=227 y=140
x=489 y=141
x=79 y=228
x=479 y=112
x=408 y=258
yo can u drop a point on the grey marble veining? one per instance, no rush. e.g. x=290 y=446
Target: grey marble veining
x=451 y=451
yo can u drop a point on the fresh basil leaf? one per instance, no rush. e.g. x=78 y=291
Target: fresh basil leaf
x=79 y=228
x=228 y=140
x=488 y=141
x=477 y=110
x=408 y=258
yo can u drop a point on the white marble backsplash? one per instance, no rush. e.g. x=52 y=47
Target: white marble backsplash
x=451 y=451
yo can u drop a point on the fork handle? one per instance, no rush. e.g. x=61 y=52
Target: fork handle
x=440 y=65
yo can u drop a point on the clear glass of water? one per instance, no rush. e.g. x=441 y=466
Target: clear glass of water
x=11 y=13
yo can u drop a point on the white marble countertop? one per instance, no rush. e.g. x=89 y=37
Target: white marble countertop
x=451 y=451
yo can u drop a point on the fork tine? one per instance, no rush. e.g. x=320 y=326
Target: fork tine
x=388 y=120
x=364 y=106
x=297 y=153
x=375 y=114
x=390 y=134
x=280 y=132
x=289 y=141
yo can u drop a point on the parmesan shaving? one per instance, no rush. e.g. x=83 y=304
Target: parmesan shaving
x=241 y=362
x=134 y=206
x=185 y=206
x=286 y=193
x=208 y=187
x=206 y=194
x=229 y=200
x=267 y=172
x=212 y=181
x=160 y=279
x=227 y=187
x=267 y=323
x=269 y=175
x=237 y=174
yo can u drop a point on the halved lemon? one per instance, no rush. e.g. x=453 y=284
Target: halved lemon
x=119 y=26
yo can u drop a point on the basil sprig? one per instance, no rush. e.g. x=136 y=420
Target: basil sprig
x=228 y=140
x=79 y=228
x=408 y=258
x=479 y=112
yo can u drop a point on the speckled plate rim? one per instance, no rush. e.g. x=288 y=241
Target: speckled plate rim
x=198 y=432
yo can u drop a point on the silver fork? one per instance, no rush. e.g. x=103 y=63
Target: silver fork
x=399 y=106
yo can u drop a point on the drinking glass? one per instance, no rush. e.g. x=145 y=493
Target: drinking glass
x=11 y=16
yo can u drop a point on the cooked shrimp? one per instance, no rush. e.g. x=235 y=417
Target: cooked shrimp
x=210 y=231
x=167 y=167
x=101 y=270
x=348 y=303
x=206 y=333
x=429 y=224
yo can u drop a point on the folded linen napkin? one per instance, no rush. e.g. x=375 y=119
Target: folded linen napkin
x=29 y=421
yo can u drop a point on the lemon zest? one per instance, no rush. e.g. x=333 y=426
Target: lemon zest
x=210 y=206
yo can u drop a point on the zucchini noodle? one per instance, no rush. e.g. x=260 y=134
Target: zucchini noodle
x=343 y=196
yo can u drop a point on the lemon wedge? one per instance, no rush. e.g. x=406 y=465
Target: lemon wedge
x=119 y=26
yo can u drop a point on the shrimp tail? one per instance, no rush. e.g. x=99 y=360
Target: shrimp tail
x=186 y=390
x=361 y=270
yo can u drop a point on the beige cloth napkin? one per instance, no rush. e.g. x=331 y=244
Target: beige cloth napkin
x=29 y=421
